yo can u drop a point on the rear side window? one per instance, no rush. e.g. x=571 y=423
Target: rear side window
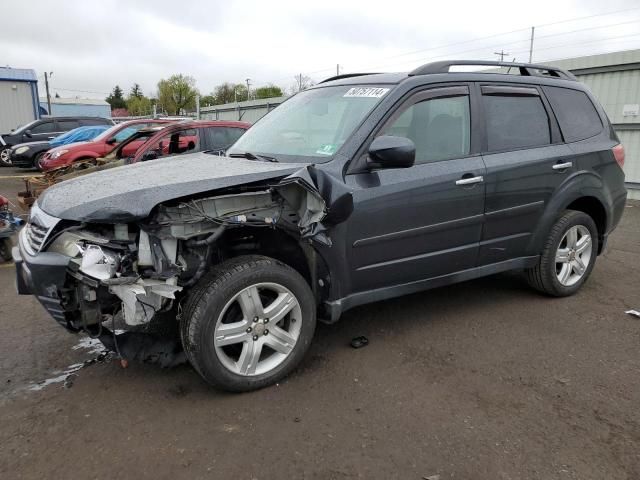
x=576 y=114
x=515 y=122
x=66 y=125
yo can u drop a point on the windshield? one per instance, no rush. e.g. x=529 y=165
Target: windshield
x=22 y=128
x=312 y=125
x=108 y=133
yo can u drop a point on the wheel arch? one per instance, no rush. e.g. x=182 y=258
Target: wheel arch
x=281 y=245
x=584 y=192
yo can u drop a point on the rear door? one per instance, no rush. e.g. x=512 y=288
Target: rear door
x=425 y=221
x=526 y=161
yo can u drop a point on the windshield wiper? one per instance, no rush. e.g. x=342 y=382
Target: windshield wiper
x=253 y=156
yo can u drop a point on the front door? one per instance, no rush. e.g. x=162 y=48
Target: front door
x=526 y=161
x=424 y=221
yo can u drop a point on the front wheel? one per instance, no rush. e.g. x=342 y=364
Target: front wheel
x=248 y=323
x=568 y=257
x=5 y=157
x=37 y=162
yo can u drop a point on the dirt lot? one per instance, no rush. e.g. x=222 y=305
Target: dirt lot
x=483 y=380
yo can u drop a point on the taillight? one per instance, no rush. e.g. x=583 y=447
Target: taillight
x=618 y=153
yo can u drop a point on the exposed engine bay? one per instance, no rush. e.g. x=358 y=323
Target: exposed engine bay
x=135 y=270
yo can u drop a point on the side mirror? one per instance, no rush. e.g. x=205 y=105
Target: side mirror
x=388 y=151
x=27 y=133
x=111 y=141
x=150 y=155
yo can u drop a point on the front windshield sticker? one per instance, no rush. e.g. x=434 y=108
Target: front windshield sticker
x=366 y=92
x=326 y=149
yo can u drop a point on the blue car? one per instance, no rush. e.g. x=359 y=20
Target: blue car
x=28 y=155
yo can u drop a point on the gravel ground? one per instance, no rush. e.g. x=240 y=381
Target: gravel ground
x=482 y=380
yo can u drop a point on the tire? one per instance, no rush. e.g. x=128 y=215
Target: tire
x=5 y=249
x=5 y=156
x=565 y=262
x=37 y=160
x=225 y=299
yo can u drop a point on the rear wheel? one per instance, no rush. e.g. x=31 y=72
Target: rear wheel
x=249 y=323
x=568 y=257
x=5 y=157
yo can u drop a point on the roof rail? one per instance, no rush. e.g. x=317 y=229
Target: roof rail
x=525 y=69
x=346 y=75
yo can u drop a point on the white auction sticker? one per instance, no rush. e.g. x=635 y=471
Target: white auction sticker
x=366 y=92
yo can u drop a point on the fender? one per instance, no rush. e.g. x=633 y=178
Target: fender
x=581 y=184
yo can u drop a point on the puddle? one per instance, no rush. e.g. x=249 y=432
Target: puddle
x=87 y=345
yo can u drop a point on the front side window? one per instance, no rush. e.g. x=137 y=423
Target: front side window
x=514 y=122
x=312 y=125
x=576 y=114
x=438 y=127
x=46 y=127
x=177 y=143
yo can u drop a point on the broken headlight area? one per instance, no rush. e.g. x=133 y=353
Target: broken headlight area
x=134 y=271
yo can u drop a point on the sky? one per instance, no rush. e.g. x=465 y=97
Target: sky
x=91 y=45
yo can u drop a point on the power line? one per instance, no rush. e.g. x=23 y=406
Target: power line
x=494 y=36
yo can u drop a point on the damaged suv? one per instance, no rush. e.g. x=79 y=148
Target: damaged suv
x=362 y=188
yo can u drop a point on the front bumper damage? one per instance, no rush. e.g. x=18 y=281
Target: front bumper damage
x=87 y=274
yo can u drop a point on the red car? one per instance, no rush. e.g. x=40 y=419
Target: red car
x=98 y=147
x=184 y=137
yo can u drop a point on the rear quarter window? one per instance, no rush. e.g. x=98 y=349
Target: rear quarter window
x=577 y=116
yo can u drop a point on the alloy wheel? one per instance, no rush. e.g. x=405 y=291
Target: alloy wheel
x=573 y=255
x=5 y=156
x=258 y=329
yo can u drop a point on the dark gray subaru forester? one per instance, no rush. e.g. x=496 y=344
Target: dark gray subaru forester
x=362 y=188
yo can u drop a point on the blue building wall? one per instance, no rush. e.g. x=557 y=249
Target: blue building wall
x=77 y=110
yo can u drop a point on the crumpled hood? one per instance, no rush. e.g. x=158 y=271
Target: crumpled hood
x=128 y=193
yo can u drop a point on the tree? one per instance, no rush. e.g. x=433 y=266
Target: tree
x=116 y=98
x=136 y=91
x=302 y=83
x=229 y=92
x=268 y=91
x=176 y=93
x=138 y=106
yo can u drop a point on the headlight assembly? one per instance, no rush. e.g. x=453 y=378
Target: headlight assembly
x=21 y=150
x=59 y=153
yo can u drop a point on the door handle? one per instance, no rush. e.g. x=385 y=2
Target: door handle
x=562 y=166
x=470 y=180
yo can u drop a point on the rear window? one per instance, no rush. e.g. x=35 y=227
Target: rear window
x=576 y=114
x=515 y=122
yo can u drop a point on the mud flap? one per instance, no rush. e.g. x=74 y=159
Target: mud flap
x=320 y=199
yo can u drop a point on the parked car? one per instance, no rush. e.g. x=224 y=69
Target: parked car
x=146 y=144
x=99 y=147
x=359 y=189
x=42 y=130
x=185 y=137
x=28 y=155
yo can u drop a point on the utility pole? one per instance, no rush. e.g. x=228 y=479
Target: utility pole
x=300 y=83
x=198 y=107
x=501 y=54
x=248 y=86
x=46 y=84
x=533 y=29
x=338 y=69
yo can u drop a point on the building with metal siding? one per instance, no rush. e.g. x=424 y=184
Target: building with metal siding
x=614 y=78
x=76 y=107
x=18 y=97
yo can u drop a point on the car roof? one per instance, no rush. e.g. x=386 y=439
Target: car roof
x=196 y=124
